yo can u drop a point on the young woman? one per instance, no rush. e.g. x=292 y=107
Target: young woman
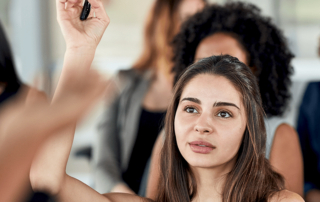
x=214 y=148
x=142 y=94
x=238 y=29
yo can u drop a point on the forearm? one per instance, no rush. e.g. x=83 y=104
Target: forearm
x=48 y=167
x=76 y=60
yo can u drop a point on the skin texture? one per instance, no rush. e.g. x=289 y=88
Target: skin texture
x=223 y=44
x=285 y=152
x=285 y=155
x=203 y=121
x=200 y=118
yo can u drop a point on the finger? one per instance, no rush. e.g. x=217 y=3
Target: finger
x=98 y=8
x=92 y=14
x=61 y=5
x=73 y=3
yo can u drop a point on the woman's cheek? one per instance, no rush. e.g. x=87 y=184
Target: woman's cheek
x=232 y=140
x=181 y=127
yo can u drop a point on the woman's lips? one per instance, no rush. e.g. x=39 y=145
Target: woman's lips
x=201 y=147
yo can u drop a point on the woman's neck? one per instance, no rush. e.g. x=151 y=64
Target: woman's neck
x=209 y=185
x=211 y=181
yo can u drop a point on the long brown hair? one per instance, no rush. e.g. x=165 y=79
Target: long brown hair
x=252 y=178
x=161 y=26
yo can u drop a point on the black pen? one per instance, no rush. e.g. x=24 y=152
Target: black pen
x=85 y=11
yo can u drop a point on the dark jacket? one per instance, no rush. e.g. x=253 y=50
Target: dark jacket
x=308 y=128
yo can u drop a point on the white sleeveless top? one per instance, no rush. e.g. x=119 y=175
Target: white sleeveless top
x=271 y=127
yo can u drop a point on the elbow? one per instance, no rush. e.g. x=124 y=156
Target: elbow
x=45 y=183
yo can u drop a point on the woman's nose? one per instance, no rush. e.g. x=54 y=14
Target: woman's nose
x=204 y=125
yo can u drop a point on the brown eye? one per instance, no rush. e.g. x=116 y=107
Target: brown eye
x=224 y=114
x=191 y=110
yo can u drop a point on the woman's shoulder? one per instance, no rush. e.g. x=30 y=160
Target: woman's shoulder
x=286 y=196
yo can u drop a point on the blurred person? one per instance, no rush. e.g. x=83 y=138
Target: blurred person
x=308 y=130
x=9 y=80
x=19 y=113
x=10 y=84
x=133 y=121
x=29 y=119
x=239 y=29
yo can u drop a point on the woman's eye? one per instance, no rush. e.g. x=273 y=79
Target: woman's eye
x=224 y=114
x=191 y=110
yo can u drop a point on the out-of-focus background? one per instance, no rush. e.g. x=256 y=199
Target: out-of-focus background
x=38 y=48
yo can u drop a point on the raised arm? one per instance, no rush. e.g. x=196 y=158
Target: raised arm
x=82 y=38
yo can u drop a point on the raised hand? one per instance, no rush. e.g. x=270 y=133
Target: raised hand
x=77 y=33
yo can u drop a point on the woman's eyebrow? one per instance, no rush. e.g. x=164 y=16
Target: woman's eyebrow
x=192 y=99
x=218 y=104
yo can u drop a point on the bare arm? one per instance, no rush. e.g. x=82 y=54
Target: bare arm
x=286 y=158
x=75 y=191
x=82 y=38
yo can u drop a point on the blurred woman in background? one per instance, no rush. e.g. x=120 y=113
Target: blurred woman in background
x=239 y=29
x=132 y=122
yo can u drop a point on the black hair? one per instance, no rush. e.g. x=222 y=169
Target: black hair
x=263 y=41
x=8 y=74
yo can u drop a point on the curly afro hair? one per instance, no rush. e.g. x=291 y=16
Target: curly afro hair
x=268 y=52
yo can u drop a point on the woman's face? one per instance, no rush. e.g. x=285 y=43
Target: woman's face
x=218 y=44
x=188 y=8
x=210 y=122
